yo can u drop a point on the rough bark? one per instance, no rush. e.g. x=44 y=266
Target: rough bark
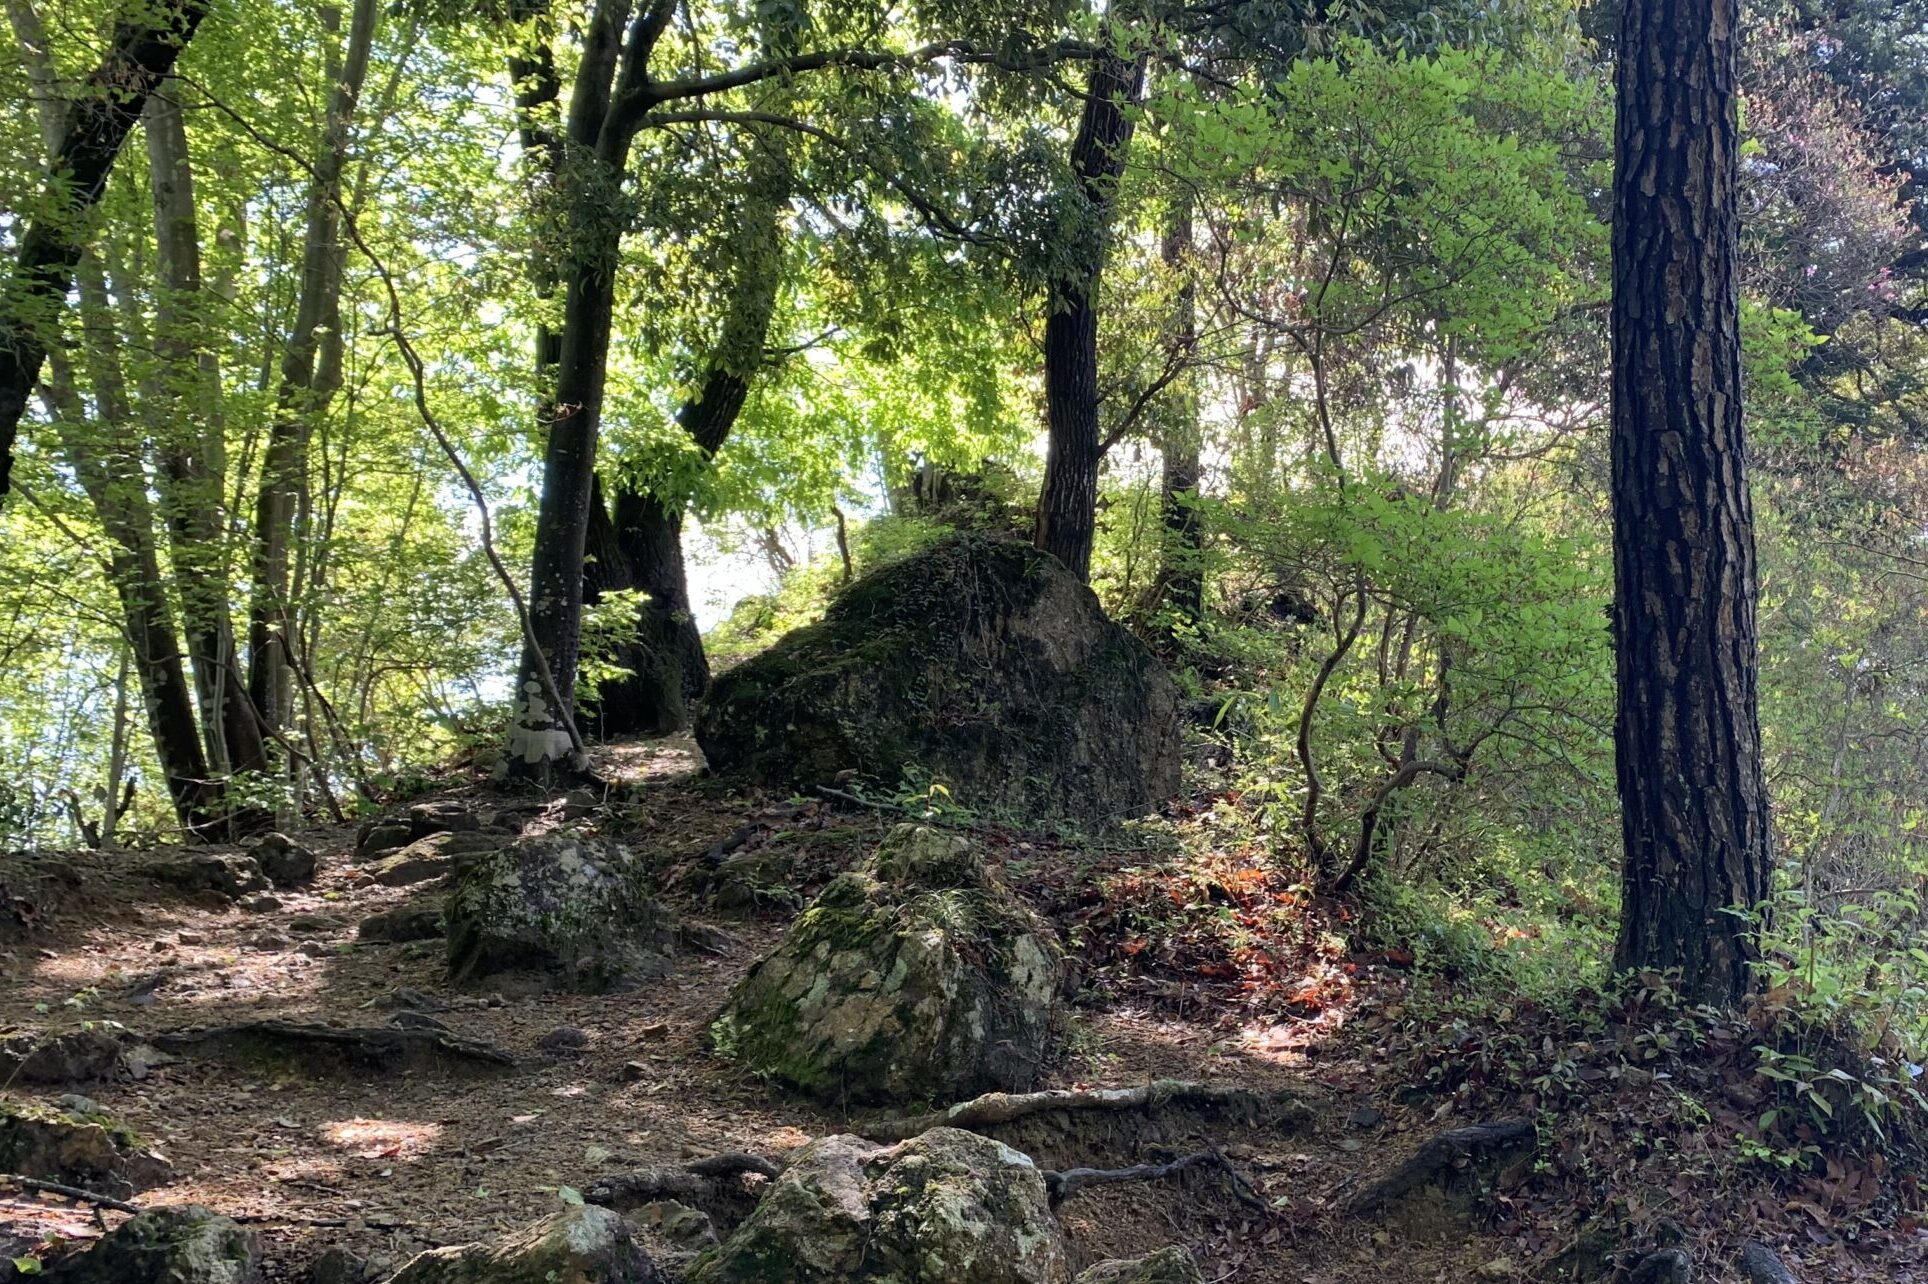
x=542 y=731
x=305 y=387
x=1687 y=734
x=1068 y=504
x=187 y=424
x=139 y=56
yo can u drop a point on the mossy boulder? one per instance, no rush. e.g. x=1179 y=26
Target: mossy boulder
x=188 y=1245
x=77 y=1149
x=579 y=1245
x=980 y=662
x=569 y=906
x=915 y=977
x=947 y=1207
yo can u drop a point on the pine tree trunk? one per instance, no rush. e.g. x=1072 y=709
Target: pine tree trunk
x=1694 y=807
x=1067 y=517
x=139 y=56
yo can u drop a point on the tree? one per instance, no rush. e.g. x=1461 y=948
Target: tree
x=1068 y=503
x=1694 y=816
x=138 y=58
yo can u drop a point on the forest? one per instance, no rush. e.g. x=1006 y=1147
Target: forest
x=963 y=641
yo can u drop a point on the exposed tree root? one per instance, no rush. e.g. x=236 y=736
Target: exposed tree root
x=995 y=1109
x=1060 y=1186
x=714 y=1184
x=319 y=1050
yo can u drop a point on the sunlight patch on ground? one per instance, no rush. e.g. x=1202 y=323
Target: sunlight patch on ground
x=381 y=1138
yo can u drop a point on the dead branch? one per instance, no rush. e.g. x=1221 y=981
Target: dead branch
x=69 y=1192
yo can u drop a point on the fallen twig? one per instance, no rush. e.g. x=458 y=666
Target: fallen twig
x=69 y=1192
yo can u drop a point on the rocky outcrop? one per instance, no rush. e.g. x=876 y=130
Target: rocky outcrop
x=187 y=1245
x=948 y=1207
x=980 y=662
x=77 y=1148
x=916 y=977
x=570 y=907
x=580 y=1245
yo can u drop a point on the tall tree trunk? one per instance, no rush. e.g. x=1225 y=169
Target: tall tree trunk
x=1183 y=576
x=105 y=459
x=187 y=423
x=666 y=662
x=305 y=382
x=1694 y=806
x=542 y=734
x=139 y=56
x=1067 y=517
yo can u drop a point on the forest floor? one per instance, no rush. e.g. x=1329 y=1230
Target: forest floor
x=387 y=1167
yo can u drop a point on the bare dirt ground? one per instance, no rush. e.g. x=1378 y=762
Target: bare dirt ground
x=385 y=1167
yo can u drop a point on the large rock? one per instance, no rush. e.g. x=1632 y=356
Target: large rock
x=75 y=1149
x=187 y=1245
x=580 y=1245
x=979 y=661
x=913 y=978
x=285 y=862
x=948 y=1207
x=224 y=874
x=570 y=906
x=432 y=857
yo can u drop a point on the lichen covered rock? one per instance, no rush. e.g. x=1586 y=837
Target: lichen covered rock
x=579 y=1245
x=572 y=907
x=187 y=1245
x=948 y=1207
x=981 y=662
x=75 y=1149
x=916 y=977
x=431 y=857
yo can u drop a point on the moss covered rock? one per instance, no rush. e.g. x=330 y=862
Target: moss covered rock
x=915 y=977
x=948 y=1207
x=571 y=907
x=981 y=662
x=580 y=1245
x=86 y=1150
x=187 y=1245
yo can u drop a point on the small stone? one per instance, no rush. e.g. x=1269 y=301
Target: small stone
x=314 y=950
x=75 y=1104
x=339 y=1266
x=191 y=938
x=634 y=1072
x=269 y=941
x=404 y=996
x=655 y=1030
x=1365 y=1117
x=259 y=903
x=566 y=1038
x=403 y=924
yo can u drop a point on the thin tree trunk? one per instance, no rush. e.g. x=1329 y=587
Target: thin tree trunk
x=1687 y=734
x=139 y=56
x=188 y=424
x=1067 y=516
x=1183 y=574
x=307 y=381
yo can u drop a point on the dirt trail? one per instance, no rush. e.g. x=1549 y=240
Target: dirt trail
x=389 y=1165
